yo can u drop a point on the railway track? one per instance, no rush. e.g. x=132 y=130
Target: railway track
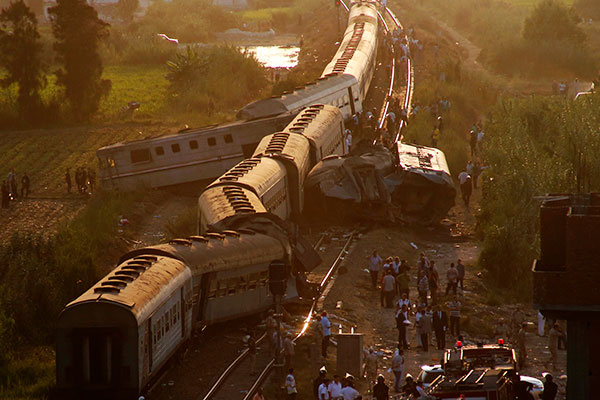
x=232 y=382
x=235 y=381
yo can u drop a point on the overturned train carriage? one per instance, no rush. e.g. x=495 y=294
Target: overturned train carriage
x=414 y=184
x=113 y=339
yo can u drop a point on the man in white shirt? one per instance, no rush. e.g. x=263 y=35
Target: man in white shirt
x=326 y=333
x=290 y=385
x=323 y=391
x=349 y=393
x=335 y=388
x=374 y=264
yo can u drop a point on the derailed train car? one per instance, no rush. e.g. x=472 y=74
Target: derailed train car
x=372 y=182
x=113 y=339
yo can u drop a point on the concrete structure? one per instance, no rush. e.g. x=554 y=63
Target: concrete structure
x=566 y=283
x=349 y=354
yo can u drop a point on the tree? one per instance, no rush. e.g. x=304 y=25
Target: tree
x=78 y=31
x=20 y=51
x=126 y=9
x=552 y=21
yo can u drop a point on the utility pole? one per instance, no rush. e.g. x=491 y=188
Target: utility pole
x=277 y=287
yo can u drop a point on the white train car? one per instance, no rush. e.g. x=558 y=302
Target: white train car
x=341 y=91
x=189 y=156
x=357 y=54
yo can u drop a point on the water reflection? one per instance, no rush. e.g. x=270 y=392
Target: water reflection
x=275 y=56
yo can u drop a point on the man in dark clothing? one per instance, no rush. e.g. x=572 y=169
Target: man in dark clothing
x=473 y=141
x=318 y=381
x=460 y=268
x=5 y=195
x=467 y=189
x=68 y=180
x=550 y=389
x=410 y=388
x=401 y=318
x=440 y=324
x=25 y=185
x=381 y=391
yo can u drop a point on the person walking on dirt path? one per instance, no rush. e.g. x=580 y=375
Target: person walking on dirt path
x=374 y=264
x=371 y=367
x=402 y=283
x=522 y=346
x=388 y=288
x=326 y=333
x=5 y=195
x=25 y=185
x=452 y=276
x=553 y=337
x=12 y=184
x=466 y=186
x=398 y=364
x=454 y=306
x=473 y=141
x=290 y=385
x=426 y=328
x=460 y=268
x=440 y=325
x=68 y=180
x=433 y=278
x=422 y=287
x=381 y=391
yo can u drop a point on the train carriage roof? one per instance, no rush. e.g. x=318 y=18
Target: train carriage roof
x=312 y=121
x=140 y=284
x=426 y=161
x=219 y=202
x=256 y=174
x=301 y=97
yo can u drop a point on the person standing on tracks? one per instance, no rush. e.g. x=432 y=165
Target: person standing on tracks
x=290 y=385
x=251 y=343
x=326 y=333
x=398 y=363
x=374 y=264
x=271 y=325
x=288 y=350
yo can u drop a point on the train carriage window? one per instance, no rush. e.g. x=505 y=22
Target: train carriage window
x=167 y=320
x=111 y=162
x=222 y=289
x=228 y=138
x=264 y=277
x=174 y=314
x=193 y=144
x=254 y=280
x=212 y=291
x=232 y=286
x=211 y=141
x=139 y=155
x=175 y=148
x=159 y=150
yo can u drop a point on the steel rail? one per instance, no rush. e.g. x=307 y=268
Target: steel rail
x=267 y=370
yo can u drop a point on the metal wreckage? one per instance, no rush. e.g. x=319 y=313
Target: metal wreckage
x=412 y=184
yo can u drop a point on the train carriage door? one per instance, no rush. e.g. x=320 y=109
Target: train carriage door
x=352 y=108
x=98 y=354
x=147 y=366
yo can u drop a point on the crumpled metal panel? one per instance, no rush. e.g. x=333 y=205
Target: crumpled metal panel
x=420 y=185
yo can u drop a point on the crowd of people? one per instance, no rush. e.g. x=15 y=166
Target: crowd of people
x=10 y=188
x=85 y=178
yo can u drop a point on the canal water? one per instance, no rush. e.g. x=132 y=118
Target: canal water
x=275 y=56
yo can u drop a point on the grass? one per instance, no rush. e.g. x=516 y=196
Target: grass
x=29 y=376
